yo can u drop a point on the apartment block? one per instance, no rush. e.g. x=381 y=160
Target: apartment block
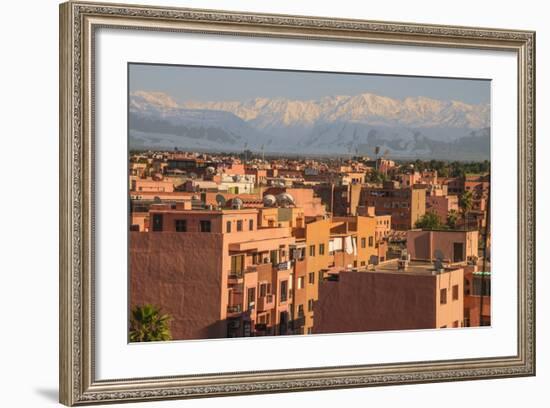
x=390 y=298
x=404 y=205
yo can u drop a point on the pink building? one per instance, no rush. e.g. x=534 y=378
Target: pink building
x=390 y=298
x=454 y=246
x=215 y=271
x=151 y=185
x=441 y=205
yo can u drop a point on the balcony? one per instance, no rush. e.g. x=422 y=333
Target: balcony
x=235 y=278
x=266 y=303
x=284 y=266
x=264 y=268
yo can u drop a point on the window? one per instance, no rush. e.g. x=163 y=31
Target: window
x=256 y=258
x=311 y=278
x=310 y=305
x=312 y=250
x=309 y=330
x=228 y=226
x=181 y=225
x=321 y=276
x=237 y=264
x=265 y=288
x=455 y=292
x=250 y=225
x=274 y=256
x=284 y=291
x=371 y=241
x=300 y=310
x=205 y=225
x=443 y=296
x=362 y=263
x=301 y=281
x=157 y=222
x=321 y=249
x=251 y=295
x=239 y=225
x=363 y=242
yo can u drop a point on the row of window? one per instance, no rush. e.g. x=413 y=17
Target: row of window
x=322 y=246
x=265 y=289
x=239 y=226
x=443 y=294
x=179 y=225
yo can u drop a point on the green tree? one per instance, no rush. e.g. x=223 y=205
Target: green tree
x=465 y=202
x=430 y=220
x=376 y=176
x=452 y=219
x=148 y=324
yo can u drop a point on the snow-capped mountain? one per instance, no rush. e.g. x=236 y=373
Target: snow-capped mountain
x=415 y=126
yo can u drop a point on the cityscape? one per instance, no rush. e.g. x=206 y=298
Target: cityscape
x=231 y=236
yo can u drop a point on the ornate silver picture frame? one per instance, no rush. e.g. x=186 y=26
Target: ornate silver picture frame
x=79 y=22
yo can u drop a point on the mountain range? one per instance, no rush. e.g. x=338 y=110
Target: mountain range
x=415 y=127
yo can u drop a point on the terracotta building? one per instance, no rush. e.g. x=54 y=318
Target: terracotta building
x=390 y=298
x=193 y=259
x=452 y=246
x=405 y=205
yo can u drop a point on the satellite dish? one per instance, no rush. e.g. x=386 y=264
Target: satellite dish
x=157 y=200
x=269 y=200
x=438 y=264
x=210 y=170
x=285 y=199
x=237 y=203
x=220 y=199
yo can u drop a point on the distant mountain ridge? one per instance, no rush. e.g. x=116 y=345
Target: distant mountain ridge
x=413 y=127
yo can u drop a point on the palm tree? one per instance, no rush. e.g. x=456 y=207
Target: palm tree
x=429 y=221
x=465 y=202
x=452 y=218
x=148 y=324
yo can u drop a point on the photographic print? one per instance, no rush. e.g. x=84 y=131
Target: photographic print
x=323 y=187
x=271 y=202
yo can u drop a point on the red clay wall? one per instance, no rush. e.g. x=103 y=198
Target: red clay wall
x=364 y=301
x=181 y=273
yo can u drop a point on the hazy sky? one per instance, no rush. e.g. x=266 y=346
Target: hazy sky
x=185 y=83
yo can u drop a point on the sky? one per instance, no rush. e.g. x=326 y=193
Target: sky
x=188 y=83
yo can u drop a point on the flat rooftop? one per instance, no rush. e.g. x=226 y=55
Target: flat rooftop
x=413 y=268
